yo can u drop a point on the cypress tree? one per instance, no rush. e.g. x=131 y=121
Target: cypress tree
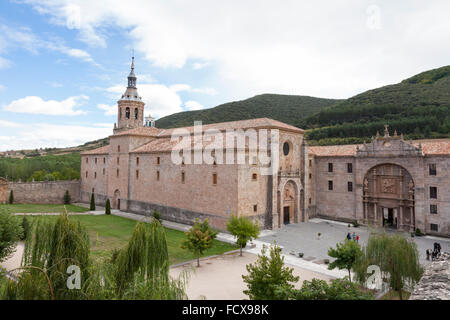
x=107 y=207
x=67 y=197
x=92 y=206
x=11 y=197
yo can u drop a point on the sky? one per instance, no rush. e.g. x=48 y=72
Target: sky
x=63 y=64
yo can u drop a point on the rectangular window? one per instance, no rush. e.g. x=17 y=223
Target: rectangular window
x=117 y=173
x=310 y=176
x=349 y=167
x=95 y=160
x=103 y=171
x=137 y=161
x=350 y=186
x=330 y=185
x=310 y=200
x=157 y=175
x=254 y=177
x=182 y=177
x=118 y=160
x=118 y=148
x=95 y=175
x=214 y=176
x=433 y=209
x=434 y=227
x=255 y=208
x=86 y=174
x=87 y=160
x=137 y=174
x=310 y=163
x=158 y=160
x=330 y=167
x=432 y=169
x=433 y=193
x=104 y=160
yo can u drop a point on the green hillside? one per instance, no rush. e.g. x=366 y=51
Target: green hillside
x=418 y=107
x=286 y=108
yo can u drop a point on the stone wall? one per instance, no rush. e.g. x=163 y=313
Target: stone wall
x=435 y=282
x=49 y=192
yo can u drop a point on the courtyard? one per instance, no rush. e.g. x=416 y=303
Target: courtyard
x=303 y=238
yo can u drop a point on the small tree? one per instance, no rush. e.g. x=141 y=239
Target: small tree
x=346 y=256
x=108 y=207
x=199 y=238
x=243 y=229
x=11 y=197
x=268 y=278
x=10 y=233
x=92 y=206
x=157 y=215
x=26 y=227
x=67 y=197
x=397 y=258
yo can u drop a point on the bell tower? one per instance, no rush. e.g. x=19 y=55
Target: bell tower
x=130 y=106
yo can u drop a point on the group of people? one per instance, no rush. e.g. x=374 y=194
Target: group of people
x=435 y=253
x=354 y=236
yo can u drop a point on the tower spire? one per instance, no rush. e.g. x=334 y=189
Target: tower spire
x=132 y=76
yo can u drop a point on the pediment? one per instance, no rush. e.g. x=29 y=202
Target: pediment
x=387 y=146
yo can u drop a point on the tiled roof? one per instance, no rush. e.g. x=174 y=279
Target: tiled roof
x=341 y=150
x=436 y=147
x=241 y=124
x=429 y=147
x=101 y=150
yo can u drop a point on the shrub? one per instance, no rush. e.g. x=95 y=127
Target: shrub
x=92 y=206
x=108 y=207
x=26 y=227
x=355 y=224
x=419 y=232
x=157 y=215
x=11 y=197
x=67 y=197
x=10 y=233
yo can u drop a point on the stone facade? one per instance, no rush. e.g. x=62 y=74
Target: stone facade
x=388 y=182
x=48 y=192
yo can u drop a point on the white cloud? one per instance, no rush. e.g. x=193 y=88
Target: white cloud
x=199 y=65
x=4 y=63
x=321 y=48
x=9 y=124
x=44 y=135
x=109 y=110
x=36 y=105
x=188 y=88
x=192 y=105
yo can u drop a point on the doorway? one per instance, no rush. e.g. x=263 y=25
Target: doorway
x=388 y=218
x=286 y=213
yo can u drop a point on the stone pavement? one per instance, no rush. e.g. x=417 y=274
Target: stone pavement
x=303 y=237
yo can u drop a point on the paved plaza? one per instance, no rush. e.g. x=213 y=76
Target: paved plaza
x=303 y=237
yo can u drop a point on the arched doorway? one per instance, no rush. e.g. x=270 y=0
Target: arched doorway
x=388 y=197
x=116 y=200
x=289 y=206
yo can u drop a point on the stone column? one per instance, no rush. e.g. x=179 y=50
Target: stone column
x=375 y=213
x=401 y=218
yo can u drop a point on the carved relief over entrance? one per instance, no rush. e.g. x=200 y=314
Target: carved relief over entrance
x=388 y=197
x=289 y=204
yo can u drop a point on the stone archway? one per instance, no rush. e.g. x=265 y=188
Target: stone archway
x=289 y=204
x=116 y=200
x=388 y=197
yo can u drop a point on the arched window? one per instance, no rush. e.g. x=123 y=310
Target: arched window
x=136 y=112
x=127 y=113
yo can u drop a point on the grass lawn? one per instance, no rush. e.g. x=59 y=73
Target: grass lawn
x=41 y=208
x=108 y=232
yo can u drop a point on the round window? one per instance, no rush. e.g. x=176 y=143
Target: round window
x=286 y=148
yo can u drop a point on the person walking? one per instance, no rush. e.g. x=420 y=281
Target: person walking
x=357 y=238
x=354 y=236
x=428 y=254
x=349 y=237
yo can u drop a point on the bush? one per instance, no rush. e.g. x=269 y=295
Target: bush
x=157 y=215
x=419 y=232
x=67 y=197
x=11 y=197
x=355 y=224
x=10 y=233
x=26 y=228
x=108 y=207
x=92 y=206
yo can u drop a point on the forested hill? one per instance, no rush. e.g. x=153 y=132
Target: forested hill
x=286 y=108
x=418 y=107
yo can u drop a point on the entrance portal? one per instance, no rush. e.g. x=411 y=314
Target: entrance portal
x=388 y=197
x=116 y=200
x=286 y=213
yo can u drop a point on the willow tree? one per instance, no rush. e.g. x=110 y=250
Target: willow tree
x=397 y=258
